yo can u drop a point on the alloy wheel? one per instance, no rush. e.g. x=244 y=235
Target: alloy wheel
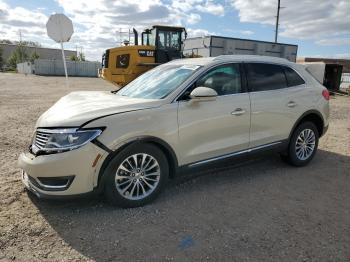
x=137 y=176
x=305 y=144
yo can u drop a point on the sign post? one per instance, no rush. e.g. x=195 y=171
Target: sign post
x=64 y=64
x=60 y=29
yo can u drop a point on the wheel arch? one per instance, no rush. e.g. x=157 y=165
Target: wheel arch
x=312 y=116
x=161 y=144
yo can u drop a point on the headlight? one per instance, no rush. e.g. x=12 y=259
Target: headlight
x=60 y=140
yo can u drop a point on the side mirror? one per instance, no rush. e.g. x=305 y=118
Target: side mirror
x=202 y=93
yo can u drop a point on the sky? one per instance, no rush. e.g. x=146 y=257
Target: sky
x=320 y=28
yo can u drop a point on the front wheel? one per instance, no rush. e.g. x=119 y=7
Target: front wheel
x=136 y=175
x=303 y=145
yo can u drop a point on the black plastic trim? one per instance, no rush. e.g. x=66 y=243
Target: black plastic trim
x=101 y=145
x=40 y=195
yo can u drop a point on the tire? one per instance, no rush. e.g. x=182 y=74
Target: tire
x=132 y=185
x=297 y=153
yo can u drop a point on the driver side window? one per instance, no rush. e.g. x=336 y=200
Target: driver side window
x=225 y=79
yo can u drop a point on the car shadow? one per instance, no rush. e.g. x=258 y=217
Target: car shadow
x=191 y=208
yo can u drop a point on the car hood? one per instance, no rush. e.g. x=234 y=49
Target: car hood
x=77 y=108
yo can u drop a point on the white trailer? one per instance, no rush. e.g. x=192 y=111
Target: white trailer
x=218 y=45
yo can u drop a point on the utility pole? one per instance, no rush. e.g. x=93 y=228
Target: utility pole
x=20 y=47
x=277 y=19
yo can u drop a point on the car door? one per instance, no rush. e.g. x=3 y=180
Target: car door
x=274 y=102
x=209 y=129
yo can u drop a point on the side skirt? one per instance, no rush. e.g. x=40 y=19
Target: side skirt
x=278 y=146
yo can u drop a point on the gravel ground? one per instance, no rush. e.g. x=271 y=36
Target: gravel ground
x=260 y=210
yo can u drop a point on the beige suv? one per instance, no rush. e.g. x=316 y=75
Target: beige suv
x=183 y=114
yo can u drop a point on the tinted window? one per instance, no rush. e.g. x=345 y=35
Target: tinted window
x=224 y=79
x=262 y=77
x=293 y=79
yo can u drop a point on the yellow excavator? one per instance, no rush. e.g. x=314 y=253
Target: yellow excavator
x=160 y=44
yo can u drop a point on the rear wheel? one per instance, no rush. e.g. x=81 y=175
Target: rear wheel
x=136 y=175
x=303 y=145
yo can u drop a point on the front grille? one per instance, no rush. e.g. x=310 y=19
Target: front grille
x=40 y=139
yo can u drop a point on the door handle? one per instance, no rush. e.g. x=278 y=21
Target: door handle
x=291 y=104
x=238 y=112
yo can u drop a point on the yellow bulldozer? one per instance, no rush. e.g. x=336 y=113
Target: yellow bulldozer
x=160 y=44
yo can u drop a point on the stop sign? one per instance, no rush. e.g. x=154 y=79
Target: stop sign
x=59 y=28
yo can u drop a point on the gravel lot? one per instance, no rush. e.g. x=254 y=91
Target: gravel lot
x=261 y=210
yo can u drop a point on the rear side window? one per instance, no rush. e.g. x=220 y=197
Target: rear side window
x=263 y=77
x=293 y=79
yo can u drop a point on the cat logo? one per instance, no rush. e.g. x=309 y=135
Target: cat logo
x=146 y=53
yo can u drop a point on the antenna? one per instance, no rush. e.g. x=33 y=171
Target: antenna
x=277 y=19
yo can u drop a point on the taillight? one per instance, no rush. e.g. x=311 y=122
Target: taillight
x=325 y=94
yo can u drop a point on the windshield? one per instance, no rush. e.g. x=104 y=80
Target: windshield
x=159 y=82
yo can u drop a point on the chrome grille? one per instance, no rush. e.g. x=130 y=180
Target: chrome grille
x=40 y=139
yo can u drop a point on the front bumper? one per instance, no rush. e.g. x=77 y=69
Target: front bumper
x=63 y=174
x=325 y=129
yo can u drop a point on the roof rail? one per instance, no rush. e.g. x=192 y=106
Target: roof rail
x=258 y=57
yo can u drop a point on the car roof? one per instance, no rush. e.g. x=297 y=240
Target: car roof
x=230 y=58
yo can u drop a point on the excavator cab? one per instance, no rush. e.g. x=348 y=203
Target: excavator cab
x=160 y=44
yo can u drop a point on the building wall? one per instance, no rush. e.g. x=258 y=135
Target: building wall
x=25 y=68
x=74 y=68
x=44 y=53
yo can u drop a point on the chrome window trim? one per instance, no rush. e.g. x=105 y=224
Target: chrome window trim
x=239 y=62
x=280 y=89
